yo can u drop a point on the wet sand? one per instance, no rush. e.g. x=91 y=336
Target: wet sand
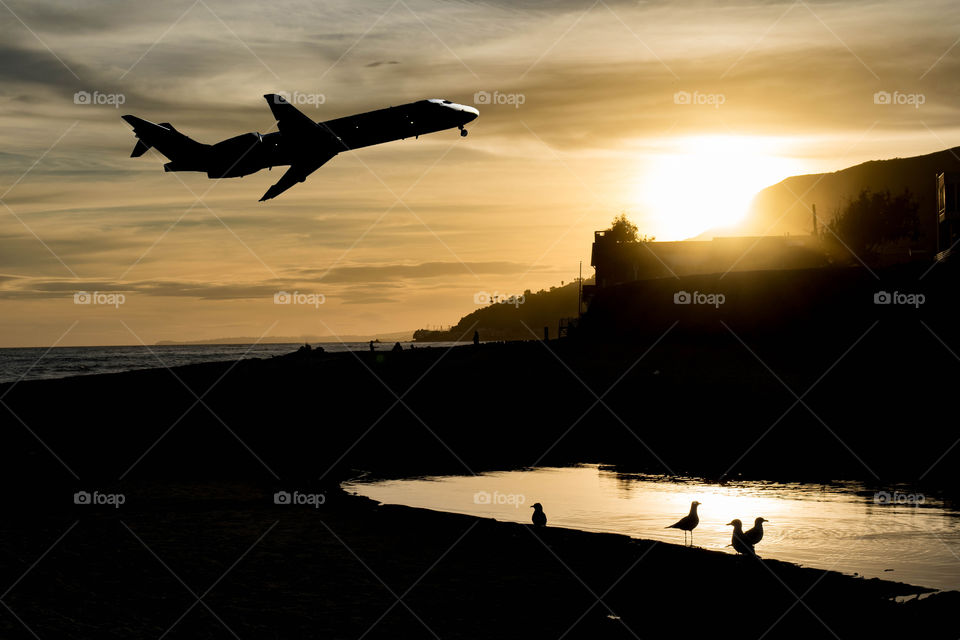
x=280 y=571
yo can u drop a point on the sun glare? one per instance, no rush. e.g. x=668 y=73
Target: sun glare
x=707 y=182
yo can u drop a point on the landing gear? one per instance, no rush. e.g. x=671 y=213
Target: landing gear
x=463 y=132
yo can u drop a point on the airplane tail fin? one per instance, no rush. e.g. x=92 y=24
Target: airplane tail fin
x=139 y=149
x=185 y=153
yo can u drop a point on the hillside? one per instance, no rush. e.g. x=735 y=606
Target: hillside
x=785 y=206
x=505 y=321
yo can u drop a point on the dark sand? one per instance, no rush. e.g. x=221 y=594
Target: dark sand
x=674 y=405
x=199 y=476
x=336 y=572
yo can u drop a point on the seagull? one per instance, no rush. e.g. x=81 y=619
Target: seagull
x=755 y=535
x=688 y=523
x=539 y=517
x=739 y=543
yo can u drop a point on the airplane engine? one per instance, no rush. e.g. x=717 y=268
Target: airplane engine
x=238 y=156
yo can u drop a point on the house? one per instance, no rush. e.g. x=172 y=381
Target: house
x=620 y=262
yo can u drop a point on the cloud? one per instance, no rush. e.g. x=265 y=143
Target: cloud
x=368 y=299
x=41 y=289
x=386 y=273
x=359 y=283
x=526 y=187
x=32 y=66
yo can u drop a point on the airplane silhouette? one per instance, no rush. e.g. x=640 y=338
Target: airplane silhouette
x=300 y=142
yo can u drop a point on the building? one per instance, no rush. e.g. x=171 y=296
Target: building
x=948 y=213
x=620 y=262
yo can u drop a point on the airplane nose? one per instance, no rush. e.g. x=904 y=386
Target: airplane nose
x=471 y=112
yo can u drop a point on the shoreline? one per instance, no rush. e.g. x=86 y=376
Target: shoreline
x=903 y=590
x=337 y=571
x=905 y=561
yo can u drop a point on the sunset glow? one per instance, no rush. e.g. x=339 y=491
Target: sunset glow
x=707 y=182
x=674 y=113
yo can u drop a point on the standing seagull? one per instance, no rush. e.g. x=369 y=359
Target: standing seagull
x=739 y=543
x=688 y=523
x=539 y=517
x=755 y=535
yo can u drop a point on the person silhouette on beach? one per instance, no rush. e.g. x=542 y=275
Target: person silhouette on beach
x=476 y=338
x=371 y=345
x=397 y=347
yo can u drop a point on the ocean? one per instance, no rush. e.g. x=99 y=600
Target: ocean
x=38 y=363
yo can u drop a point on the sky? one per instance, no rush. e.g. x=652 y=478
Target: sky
x=672 y=112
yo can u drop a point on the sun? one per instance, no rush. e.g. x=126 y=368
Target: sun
x=699 y=183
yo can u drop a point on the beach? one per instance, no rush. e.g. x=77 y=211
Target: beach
x=670 y=404
x=338 y=571
x=199 y=454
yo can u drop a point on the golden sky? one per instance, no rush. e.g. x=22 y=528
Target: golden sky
x=674 y=112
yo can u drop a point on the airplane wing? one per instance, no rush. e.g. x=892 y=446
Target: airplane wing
x=297 y=125
x=289 y=118
x=297 y=172
x=319 y=143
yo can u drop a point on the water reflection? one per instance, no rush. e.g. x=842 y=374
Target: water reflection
x=838 y=527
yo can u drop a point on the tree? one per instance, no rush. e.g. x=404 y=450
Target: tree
x=622 y=230
x=875 y=219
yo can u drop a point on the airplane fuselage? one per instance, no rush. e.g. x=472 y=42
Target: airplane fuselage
x=252 y=152
x=301 y=143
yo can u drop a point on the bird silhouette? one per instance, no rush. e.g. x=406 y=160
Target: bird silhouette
x=739 y=544
x=755 y=534
x=539 y=517
x=688 y=523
